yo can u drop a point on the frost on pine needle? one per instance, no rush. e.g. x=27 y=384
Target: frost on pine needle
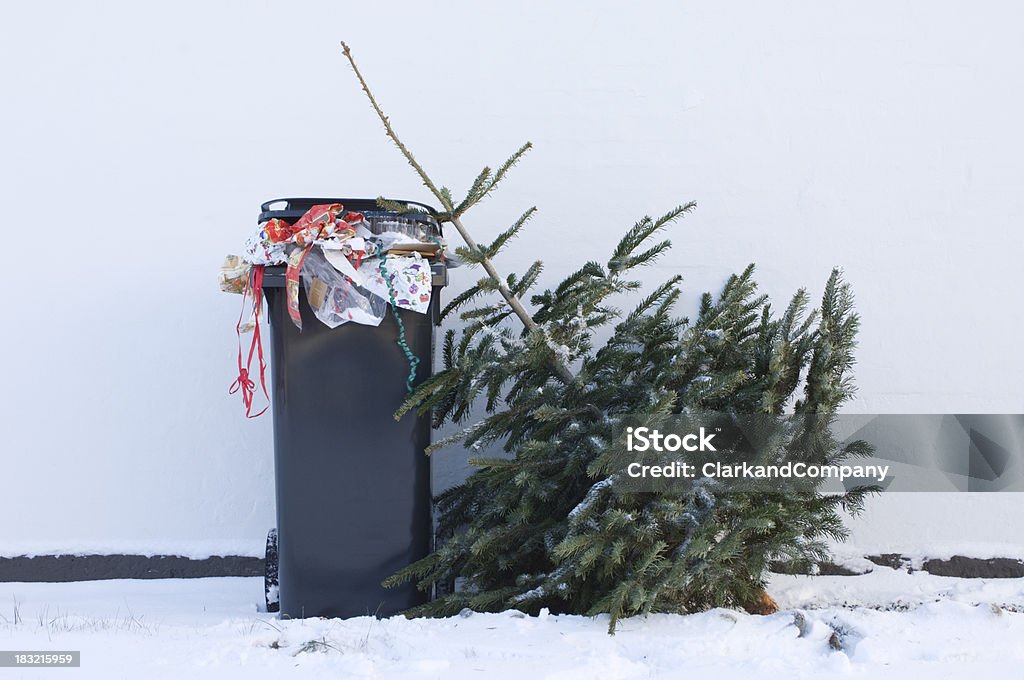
x=590 y=498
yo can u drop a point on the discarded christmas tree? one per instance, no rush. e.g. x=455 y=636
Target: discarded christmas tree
x=547 y=526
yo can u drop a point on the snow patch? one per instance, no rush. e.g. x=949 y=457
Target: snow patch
x=905 y=626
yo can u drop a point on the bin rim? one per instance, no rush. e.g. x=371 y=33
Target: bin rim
x=300 y=205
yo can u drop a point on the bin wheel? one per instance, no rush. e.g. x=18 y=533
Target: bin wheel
x=270 y=581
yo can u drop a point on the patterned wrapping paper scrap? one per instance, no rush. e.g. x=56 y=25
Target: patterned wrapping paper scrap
x=295 y=259
x=317 y=219
x=277 y=230
x=261 y=249
x=234 y=275
x=341 y=230
x=408 y=276
x=306 y=229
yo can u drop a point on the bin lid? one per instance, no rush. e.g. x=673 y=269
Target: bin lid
x=291 y=209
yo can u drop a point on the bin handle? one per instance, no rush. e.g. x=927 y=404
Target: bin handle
x=266 y=206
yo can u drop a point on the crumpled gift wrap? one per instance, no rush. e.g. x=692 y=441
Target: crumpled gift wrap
x=409 y=278
x=234 y=274
x=260 y=248
x=318 y=218
x=318 y=223
x=296 y=258
x=277 y=230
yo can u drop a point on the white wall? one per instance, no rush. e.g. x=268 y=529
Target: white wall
x=138 y=141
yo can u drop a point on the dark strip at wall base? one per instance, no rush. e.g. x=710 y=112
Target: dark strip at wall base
x=957 y=566
x=824 y=569
x=62 y=568
x=971 y=567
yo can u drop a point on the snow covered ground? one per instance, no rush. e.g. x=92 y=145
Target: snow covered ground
x=888 y=624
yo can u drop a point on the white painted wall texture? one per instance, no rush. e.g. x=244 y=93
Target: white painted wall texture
x=138 y=141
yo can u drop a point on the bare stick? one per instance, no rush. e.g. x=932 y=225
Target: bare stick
x=563 y=371
x=391 y=133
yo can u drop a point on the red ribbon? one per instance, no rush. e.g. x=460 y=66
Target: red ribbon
x=243 y=383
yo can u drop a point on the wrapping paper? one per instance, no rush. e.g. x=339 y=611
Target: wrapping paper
x=234 y=275
x=355 y=286
x=277 y=230
x=409 y=276
x=291 y=279
x=319 y=218
x=320 y=225
x=260 y=248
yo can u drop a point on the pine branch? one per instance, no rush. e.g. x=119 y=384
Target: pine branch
x=505 y=236
x=485 y=182
x=476 y=191
x=427 y=182
x=561 y=370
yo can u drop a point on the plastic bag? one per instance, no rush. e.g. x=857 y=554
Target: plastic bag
x=334 y=298
x=407 y=280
